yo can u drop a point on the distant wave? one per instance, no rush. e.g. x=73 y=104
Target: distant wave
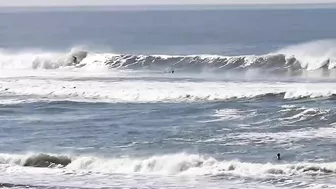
x=277 y=63
x=293 y=59
x=172 y=164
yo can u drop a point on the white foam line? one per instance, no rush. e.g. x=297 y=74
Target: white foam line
x=137 y=91
x=174 y=164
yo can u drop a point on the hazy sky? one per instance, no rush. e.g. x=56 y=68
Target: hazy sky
x=137 y=2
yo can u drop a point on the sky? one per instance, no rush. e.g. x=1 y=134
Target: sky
x=149 y=2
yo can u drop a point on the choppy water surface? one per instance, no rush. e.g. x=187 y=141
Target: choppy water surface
x=167 y=99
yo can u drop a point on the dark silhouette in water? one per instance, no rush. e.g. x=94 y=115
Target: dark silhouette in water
x=172 y=71
x=278 y=156
x=75 y=61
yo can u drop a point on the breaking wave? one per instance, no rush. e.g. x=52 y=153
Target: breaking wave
x=173 y=164
x=293 y=59
x=36 y=59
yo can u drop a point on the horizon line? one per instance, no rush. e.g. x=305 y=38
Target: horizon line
x=179 y=6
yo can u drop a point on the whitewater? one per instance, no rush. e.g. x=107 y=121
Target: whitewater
x=167 y=99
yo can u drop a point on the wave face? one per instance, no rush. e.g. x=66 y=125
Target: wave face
x=173 y=164
x=35 y=160
x=44 y=160
x=293 y=59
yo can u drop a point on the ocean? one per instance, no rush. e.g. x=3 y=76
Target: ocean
x=167 y=98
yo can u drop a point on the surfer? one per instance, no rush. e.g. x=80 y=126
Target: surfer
x=171 y=71
x=278 y=156
x=74 y=59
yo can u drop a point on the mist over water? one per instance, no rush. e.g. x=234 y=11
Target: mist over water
x=167 y=99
